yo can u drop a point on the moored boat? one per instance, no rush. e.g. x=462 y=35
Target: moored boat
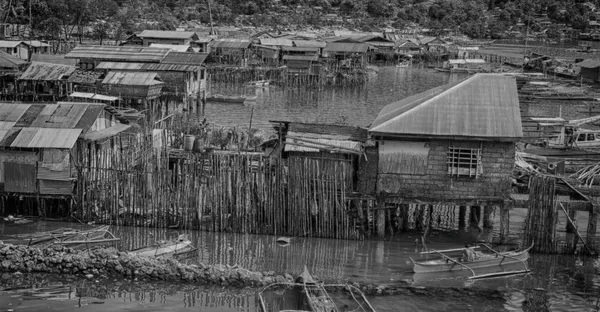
x=229 y=98
x=175 y=248
x=98 y=237
x=307 y=294
x=50 y=237
x=481 y=260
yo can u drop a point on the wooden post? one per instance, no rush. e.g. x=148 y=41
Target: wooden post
x=462 y=213
x=487 y=217
x=592 y=228
x=504 y=222
x=404 y=214
x=474 y=216
x=380 y=216
x=571 y=230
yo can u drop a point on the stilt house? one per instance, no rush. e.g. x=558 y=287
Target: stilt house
x=45 y=82
x=453 y=144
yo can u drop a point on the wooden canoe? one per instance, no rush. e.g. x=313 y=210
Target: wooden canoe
x=447 y=264
x=171 y=248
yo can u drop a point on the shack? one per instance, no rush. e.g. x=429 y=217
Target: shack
x=15 y=48
x=230 y=51
x=89 y=57
x=135 y=88
x=10 y=69
x=590 y=70
x=45 y=82
x=407 y=47
x=308 y=65
x=347 y=54
x=39 y=147
x=150 y=37
x=451 y=145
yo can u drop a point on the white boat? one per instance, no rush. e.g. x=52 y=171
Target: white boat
x=483 y=260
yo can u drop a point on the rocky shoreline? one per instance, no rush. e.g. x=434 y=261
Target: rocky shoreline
x=109 y=262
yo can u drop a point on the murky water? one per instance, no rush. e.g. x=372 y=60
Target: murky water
x=357 y=105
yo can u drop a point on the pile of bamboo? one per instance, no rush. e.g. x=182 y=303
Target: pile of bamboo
x=588 y=174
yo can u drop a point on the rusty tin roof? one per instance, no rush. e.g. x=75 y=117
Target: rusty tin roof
x=132 y=78
x=47 y=72
x=119 y=53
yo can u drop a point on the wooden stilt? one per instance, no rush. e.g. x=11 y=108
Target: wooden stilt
x=381 y=216
x=474 y=216
x=592 y=228
x=462 y=213
x=487 y=217
x=504 y=222
x=571 y=229
x=404 y=213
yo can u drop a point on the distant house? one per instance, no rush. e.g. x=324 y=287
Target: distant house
x=230 y=51
x=302 y=64
x=453 y=144
x=37 y=47
x=167 y=37
x=407 y=47
x=201 y=45
x=45 y=82
x=15 y=48
x=347 y=54
x=10 y=69
x=43 y=146
x=590 y=70
x=377 y=42
x=310 y=44
x=90 y=56
x=133 y=87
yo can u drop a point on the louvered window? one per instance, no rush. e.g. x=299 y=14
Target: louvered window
x=464 y=162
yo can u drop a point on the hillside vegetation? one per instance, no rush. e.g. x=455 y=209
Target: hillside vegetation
x=54 y=19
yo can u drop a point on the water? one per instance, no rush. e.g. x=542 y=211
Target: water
x=357 y=106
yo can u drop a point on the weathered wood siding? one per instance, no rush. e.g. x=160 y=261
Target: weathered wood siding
x=432 y=180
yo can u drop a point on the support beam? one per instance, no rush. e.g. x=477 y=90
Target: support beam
x=504 y=222
x=592 y=228
x=474 y=216
x=487 y=217
x=462 y=214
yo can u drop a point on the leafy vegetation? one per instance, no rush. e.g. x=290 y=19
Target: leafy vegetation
x=62 y=19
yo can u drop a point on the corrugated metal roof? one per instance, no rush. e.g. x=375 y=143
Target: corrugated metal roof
x=467 y=61
x=9 y=61
x=9 y=43
x=276 y=42
x=309 y=43
x=46 y=138
x=482 y=106
x=47 y=71
x=231 y=43
x=36 y=43
x=301 y=57
x=132 y=78
x=61 y=115
x=589 y=63
x=52 y=58
x=119 y=66
x=84 y=76
x=119 y=53
x=166 y=34
x=346 y=47
x=93 y=96
x=172 y=47
x=300 y=49
x=105 y=133
x=185 y=58
x=204 y=40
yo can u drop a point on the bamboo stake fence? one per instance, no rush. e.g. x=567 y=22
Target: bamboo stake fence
x=542 y=215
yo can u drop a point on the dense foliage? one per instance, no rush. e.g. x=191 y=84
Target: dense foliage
x=476 y=18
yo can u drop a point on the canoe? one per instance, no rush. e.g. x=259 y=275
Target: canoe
x=310 y=295
x=97 y=237
x=229 y=98
x=175 y=248
x=447 y=264
x=49 y=237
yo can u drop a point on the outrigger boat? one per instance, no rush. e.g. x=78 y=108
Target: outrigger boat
x=483 y=260
x=175 y=248
x=98 y=237
x=229 y=98
x=64 y=236
x=316 y=297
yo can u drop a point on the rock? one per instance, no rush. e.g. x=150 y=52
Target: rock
x=89 y=276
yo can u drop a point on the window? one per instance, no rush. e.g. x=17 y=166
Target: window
x=464 y=162
x=590 y=137
x=581 y=137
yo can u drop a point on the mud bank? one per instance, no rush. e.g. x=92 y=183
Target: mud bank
x=110 y=262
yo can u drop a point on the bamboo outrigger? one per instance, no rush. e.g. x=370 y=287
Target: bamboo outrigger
x=494 y=260
x=317 y=298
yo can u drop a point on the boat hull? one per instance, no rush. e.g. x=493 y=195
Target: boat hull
x=441 y=265
x=164 y=250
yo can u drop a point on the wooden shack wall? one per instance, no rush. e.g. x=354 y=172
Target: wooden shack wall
x=434 y=183
x=15 y=170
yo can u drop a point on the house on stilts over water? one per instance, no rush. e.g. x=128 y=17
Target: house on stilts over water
x=449 y=146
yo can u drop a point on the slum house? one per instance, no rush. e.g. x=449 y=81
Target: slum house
x=382 y=49
x=183 y=74
x=407 y=47
x=134 y=88
x=10 y=69
x=15 y=48
x=133 y=40
x=320 y=45
x=89 y=57
x=590 y=70
x=40 y=145
x=85 y=81
x=37 y=47
x=44 y=82
x=433 y=44
x=454 y=144
x=150 y=37
x=302 y=65
x=202 y=45
x=234 y=52
x=265 y=55
x=345 y=54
